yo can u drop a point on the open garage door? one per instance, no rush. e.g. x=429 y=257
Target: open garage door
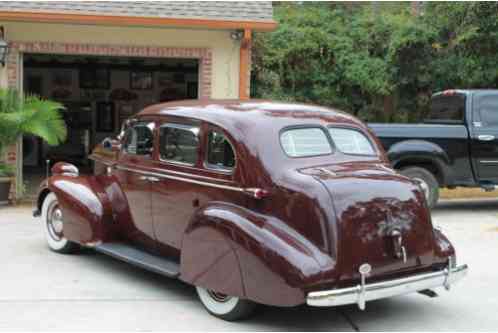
x=98 y=94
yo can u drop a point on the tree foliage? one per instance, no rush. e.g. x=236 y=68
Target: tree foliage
x=378 y=61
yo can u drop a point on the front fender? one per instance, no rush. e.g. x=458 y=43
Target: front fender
x=236 y=251
x=85 y=207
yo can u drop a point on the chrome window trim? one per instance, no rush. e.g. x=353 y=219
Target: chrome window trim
x=193 y=181
x=194 y=176
x=184 y=127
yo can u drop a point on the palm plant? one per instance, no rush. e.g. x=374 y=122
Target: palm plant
x=28 y=115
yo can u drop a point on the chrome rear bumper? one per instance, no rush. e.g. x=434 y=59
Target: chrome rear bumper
x=371 y=291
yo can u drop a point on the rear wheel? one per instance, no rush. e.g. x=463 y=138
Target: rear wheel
x=53 y=224
x=226 y=307
x=428 y=183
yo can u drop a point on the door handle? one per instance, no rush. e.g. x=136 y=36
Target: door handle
x=153 y=179
x=150 y=179
x=486 y=137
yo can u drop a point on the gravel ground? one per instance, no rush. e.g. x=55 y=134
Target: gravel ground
x=42 y=290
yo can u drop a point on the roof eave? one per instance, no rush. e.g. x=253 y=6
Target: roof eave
x=44 y=17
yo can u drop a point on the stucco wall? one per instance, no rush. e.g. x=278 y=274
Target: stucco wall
x=225 y=51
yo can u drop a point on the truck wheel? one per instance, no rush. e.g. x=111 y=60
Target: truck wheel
x=54 y=226
x=226 y=307
x=428 y=183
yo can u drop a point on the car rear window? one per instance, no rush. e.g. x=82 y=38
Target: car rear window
x=350 y=141
x=302 y=142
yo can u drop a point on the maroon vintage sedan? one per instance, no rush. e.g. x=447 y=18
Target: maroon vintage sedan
x=252 y=202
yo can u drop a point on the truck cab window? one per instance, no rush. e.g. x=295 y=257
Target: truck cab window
x=488 y=110
x=447 y=109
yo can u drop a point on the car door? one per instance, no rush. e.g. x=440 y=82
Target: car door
x=132 y=170
x=197 y=166
x=485 y=136
x=174 y=194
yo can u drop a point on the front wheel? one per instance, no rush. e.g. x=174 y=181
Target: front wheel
x=428 y=183
x=53 y=224
x=226 y=307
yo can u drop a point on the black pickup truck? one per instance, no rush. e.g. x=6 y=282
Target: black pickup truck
x=456 y=146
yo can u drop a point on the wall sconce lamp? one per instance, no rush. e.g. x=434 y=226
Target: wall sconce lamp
x=237 y=35
x=4 y=46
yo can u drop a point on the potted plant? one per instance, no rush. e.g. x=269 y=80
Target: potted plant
x=26 y=115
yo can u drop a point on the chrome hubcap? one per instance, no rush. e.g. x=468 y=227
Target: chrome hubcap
x=219 y=297
x=55 y=222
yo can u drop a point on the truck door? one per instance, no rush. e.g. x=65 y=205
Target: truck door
x=485 y=136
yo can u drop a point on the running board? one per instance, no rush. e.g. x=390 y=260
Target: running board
x=140 y=258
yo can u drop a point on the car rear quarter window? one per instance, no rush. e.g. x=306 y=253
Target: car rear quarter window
x=351 y=141
x=302 y=142
x=179 y=143
x=220 y=152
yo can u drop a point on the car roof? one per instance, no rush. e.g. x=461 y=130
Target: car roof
x=237 y=115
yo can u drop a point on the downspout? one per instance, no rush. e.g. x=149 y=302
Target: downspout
x=244 y=64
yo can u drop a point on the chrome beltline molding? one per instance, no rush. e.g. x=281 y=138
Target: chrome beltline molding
x=193 y=181
x=361 y=293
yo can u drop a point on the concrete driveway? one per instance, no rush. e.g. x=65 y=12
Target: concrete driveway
x=41 y=290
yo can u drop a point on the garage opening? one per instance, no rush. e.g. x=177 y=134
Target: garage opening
x=98 y=94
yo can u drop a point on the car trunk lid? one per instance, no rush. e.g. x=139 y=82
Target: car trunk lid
x=381 y=217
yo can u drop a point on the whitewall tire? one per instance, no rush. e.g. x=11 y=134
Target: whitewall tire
x=53 y=226
x=225 y=307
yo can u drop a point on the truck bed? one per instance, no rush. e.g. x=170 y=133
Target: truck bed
x=451 y=141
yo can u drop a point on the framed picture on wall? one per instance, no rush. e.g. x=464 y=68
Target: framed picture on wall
x=141 y=80
x=105 y=117
x=94 y=78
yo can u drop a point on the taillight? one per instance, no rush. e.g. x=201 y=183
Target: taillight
x=257 y=193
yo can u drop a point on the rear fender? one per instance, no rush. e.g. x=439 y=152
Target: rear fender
x=240 y=253
x=420 y=151
x=85 y=207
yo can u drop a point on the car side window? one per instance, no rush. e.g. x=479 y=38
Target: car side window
x=220 y=152
x=179 y=143
x=138 y=139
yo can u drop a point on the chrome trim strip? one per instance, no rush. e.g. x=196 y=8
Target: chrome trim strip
x=489 y=161
x=378 y=290
x=193 y=176
x=224 y=187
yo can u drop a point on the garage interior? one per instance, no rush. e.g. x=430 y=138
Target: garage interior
x=98 y=94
